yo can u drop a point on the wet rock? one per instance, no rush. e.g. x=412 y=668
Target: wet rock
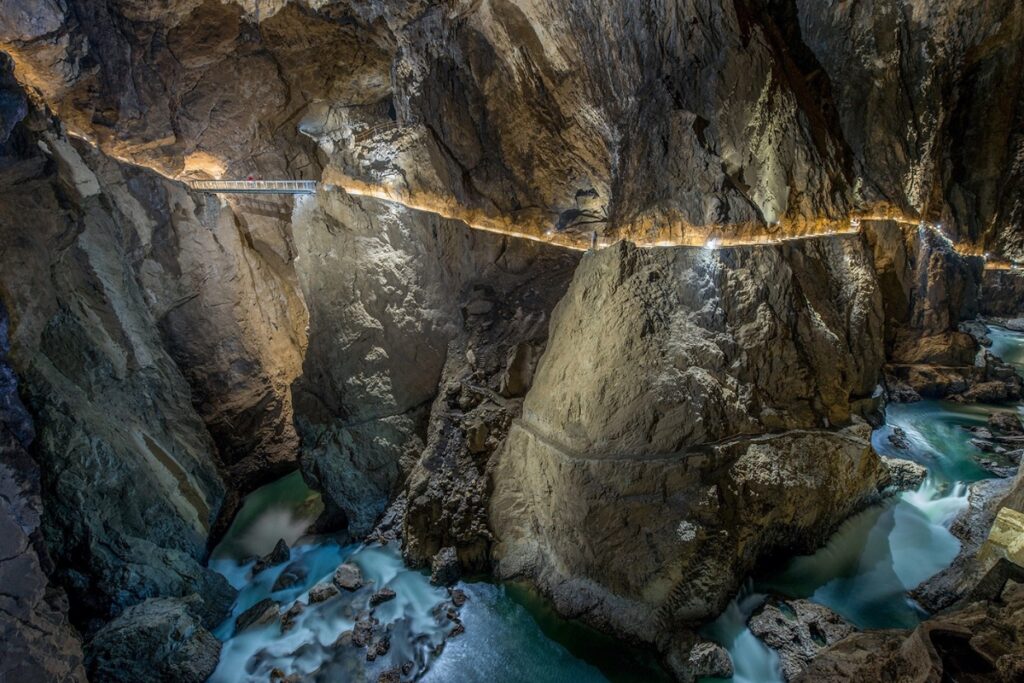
x=293 y=575
x=279 y=676
x=321 y=592
x=986 y=446
x=348 y=577
x=905 y=475
x=383 y=595
x=798 y=630
x=159 y=639
x=290 y=616
x=458 y=597
x=444 y=567
x=362 y=632
x=262 y=613
x=392 y=675
x=982 y=638
x=378 y=648
x=1005 y=423
x=709 y=660
x=898 y=438
x=992 y=392
x=279 y=555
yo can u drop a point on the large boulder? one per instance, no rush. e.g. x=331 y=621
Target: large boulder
x=798 y=630
x=687 y=418
x=159 y=639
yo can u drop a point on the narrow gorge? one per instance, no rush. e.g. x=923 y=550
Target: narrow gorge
x=627 y=342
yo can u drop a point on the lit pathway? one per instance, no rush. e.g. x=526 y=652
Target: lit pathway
x=254 y=186
x=580 y=242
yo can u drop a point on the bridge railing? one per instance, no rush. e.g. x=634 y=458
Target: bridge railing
x=255 y=186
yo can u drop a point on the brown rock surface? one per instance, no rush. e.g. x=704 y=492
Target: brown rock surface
x=983 y=639
x=692 y=433
x=672 y=120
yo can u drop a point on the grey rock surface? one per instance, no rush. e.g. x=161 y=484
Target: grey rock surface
x=798 y=630
x=158 y=639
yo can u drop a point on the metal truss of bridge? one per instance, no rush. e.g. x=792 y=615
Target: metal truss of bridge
x=255 y=186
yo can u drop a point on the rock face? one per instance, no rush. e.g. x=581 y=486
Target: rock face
x=929 y=291
x=159 y=639
x=798 y=630
x=384 y=286
x=113 y=411
x=1002 y=294
x=678 y=119
x=38 y=642
x=679 y=424
x=984 y=640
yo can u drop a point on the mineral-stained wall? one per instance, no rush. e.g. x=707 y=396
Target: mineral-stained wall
x=142 y=319
x=632 y=118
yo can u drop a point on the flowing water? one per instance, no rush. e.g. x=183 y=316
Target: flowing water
x=1007 y=345
x=863 y=573
x=511 y=633
x=867 y=567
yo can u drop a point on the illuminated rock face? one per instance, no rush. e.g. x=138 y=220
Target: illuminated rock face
x=693 y=410
x=646 y=120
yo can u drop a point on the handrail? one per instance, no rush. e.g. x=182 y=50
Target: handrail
x=255 y=186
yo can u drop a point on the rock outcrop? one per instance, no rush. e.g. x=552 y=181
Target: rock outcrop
x=798 y=630
x=983 y=640
x=129 y=474
x=681 y=120
x=38 y=642
x=161 y=639
x=930 y=291
x=688 y=408
x=388 y=291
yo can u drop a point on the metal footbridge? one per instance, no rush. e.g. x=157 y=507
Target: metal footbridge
x=254 y=186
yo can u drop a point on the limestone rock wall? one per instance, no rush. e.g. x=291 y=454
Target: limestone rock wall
x=39 y=643
x=639 y=119
x=688 y=409
x=386 y=289
x=113 y=412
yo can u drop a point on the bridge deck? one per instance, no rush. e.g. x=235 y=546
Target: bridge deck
x=255 y=186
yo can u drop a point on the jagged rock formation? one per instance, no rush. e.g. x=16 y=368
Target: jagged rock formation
x=798 y=630
x=664 y=119
x=176 y=644
x=929 y=290
x=686 y=407
x=38 y=642
x=113 y=412
x=983 y=640
x=388 y=290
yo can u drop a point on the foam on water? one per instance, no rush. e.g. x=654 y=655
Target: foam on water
x=503 y=641
x=752 y=661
